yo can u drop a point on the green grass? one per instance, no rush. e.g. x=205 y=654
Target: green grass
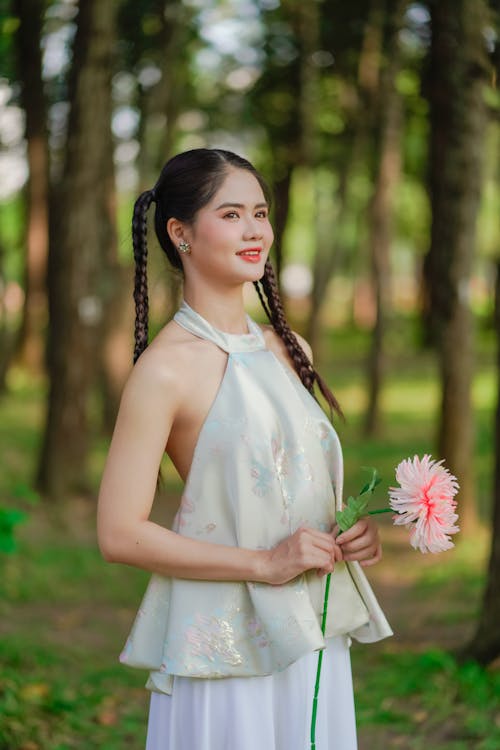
x=67 y=702
x=65 y=614
x=431 y=700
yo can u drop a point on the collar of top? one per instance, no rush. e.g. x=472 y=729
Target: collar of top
x=229 y=342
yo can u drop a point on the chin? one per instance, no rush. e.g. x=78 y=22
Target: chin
x=254 y=272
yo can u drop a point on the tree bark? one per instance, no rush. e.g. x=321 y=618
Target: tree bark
x=485 y=645
x=80 y=235
x=166 y=99
x=30 y=344
x=458 y=119
x=275 y=102
x=325 y=259
x=117 y=343
x=167 y=96
x=281 y=191
x=6 y=338
x=361 y=115
x=387 y=173
x=116 y=282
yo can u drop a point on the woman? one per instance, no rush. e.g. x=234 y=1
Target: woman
x=229 y=625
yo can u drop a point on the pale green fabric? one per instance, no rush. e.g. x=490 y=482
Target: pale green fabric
x=267 y=461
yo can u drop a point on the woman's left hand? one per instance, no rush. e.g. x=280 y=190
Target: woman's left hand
x=361 y=542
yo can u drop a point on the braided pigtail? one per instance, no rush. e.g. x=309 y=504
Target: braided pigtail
x=262 y=299
x=276 y=314
x=139 y=240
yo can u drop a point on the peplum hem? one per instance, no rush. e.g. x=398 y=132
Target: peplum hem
x=267 y=461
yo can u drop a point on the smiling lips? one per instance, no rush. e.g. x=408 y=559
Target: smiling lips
x=251 y=254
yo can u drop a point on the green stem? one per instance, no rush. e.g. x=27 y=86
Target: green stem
x=320 y=654
x=318 y=670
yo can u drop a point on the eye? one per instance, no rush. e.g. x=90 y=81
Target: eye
x=230 y=214
x=263 y=213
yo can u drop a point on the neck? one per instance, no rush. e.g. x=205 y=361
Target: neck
x=224 y=311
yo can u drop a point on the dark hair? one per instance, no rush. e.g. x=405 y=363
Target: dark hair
x=187 y=183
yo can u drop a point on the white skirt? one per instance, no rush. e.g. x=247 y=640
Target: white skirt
x=260 y=713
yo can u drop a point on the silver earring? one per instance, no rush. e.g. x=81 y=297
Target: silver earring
x=184 y=247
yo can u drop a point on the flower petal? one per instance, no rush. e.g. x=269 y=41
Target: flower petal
x=424 y=501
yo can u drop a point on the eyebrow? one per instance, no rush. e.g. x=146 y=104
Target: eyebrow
x=241 y=205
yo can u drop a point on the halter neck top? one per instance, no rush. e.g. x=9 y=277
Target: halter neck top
x=267 y=461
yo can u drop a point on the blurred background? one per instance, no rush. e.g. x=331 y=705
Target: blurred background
x=377 y=125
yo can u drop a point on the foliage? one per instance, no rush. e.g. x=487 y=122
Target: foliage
x=8 y=27
x=9 y=519
x=431 y=701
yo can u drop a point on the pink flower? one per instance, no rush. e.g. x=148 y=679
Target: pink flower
x=425 y=500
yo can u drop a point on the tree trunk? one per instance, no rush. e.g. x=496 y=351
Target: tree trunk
x=368 y=73
x=167 y=96
x=485 y=645
x=325 y=259
x=163 y=103
x=458 y=120
x=281 y=192
x=30 y=345
x=6 y=342
x=117 y=346
x=387 y=172
x=80 y=234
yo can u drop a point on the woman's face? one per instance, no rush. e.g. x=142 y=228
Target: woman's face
x=231 y=236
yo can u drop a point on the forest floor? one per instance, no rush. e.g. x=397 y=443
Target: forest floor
x=65 y=614
x=410 y=691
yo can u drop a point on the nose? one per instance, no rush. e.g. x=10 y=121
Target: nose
x=252 y=228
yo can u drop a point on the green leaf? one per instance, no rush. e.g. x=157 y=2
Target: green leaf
x=374 y=481
x=354 y=509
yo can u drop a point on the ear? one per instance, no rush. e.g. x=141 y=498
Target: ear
x=176 y=231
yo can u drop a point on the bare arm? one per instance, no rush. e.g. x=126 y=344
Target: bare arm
x=148 y=407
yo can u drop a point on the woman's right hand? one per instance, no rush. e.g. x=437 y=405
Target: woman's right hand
x=304 y=550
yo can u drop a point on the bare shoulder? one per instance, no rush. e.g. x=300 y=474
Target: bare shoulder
x=305 y=346
x=277 y=346
x=165 y=365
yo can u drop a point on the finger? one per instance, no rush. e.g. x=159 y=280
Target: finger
x=367 y=538
x=325 y=570
x=366 y=553
x=314 y=557
x=322 y=547
x=318 y=539
x=373 y=560
x=361 y=543
x=359 y=528
x=317 y=534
